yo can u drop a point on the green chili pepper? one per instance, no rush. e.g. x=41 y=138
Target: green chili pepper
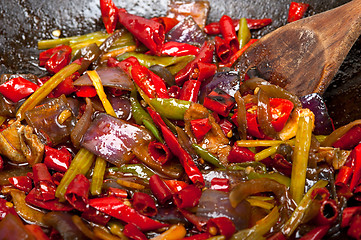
x=300 y=157
x=170 y=108
x=175 y=68
x=207 y=156
x=142 y=117
x=274 y=176
x=218 y=237
x=244 y=34
x=138 y=170
x=242 y=166
x=2 y=119
x=150 y=60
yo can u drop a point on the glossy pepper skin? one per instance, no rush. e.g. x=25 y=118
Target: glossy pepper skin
x=296 y=11
x=167 y=22
x=77 y=192
x=190 y=90
x=177 y=49
x=239 y=53
x=144 y=204
x=44 y=185
x=22 y=183
x=58 y=160
x=223 y=50
x=159 y=152
x=229 y=33
x=17 y=88
x=200 y=127
x=214 y=28
x=52 y=205
x=219 y=102
x=55 y=59
x=149 y=32
x=109 y=14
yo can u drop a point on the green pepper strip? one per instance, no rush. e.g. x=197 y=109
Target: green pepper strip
x=116 y=228
x=244 y=34
x=142 y=117
x=300 y=157
x=170 y=108
x=242 y=166
x=274 y=176
x=297 y=215
x=258 y=143
x=265 y=153
x=98 y=176
x=138 y=170
x=339 y=132
x=45 y=44
x=218 y=237
x=207 y=156
x=44 y=90
x=81 y=164
x=2 y=119
x=261 y=228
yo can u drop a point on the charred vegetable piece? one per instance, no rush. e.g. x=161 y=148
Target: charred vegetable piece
x=219 y=102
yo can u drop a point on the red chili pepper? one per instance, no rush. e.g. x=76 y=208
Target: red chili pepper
x=199 y=222
x=280 y=110
x=357 y=168
x=58 y=160
x=109 y=15
x=296 y=11
x=317 y=233
x=116 y=208
x=22 y=183
x=187 y=197
x=168 y=23
x=5 y=209
x=132 y=232
x=175 y=185
x=229 y=33
x=160 y=87
x=349 y=139
x=205 y=55
x=177 y=49
x=240 y=154
x=277 y=236
x=355 y=225
x=223 y=50
x=200 y=236
x=44 y=185
x=219 y=102
x=185 y=159
x=144 y=204
x=126 y=64
x=282 y=165
x=117 y=192
x=226 y=126
x=66 y=87
x=220 y=184
x=174 y=91
x=159 y=189
x=1 y=159
x=214 y=28
x=347 y=215
x=159 y=152
x=223 y=225
x=93 y=215
x=344 y=175
x=327 y=213
x=77 y=192
x=239 y=53
x=202 y=71
x=200 y=127
x=149 y=32
x=37 y=232
x=17 y=88
x=86 y=91
x=52 y=205
x=55 y=59
x=57 y=176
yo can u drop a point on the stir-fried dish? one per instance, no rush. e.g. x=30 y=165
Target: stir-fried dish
x=145 y=131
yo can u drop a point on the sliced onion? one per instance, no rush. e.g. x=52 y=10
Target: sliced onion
x=121 y=106
x=113 y=139
x=110 y=77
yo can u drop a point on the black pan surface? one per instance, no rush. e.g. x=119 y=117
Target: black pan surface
x=24 y=22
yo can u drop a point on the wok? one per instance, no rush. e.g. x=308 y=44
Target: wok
x=23 y=23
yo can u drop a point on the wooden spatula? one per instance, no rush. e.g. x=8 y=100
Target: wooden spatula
x=304 y=56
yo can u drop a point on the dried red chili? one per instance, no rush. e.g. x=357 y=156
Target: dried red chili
x=17 y=88
x=296 y=11
x=200 y=127
x=109 y=15
x=58 y=160
x=77 y=192
x=144 y=204
x=187 y=197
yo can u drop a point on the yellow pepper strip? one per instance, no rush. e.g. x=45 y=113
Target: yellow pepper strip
x=260 y=203
x=219 y=237
x=2 y=119
x=300 y=157
x=94 y=77
x=244 y=34
x=64 y=115
x=130 y=184
x=27 y=213
x=116 y=228
x=173 y=233
x=265 y=153
x=98 y=176
x=261 y=228
x=103 y=234
x=44 y=90
x=81 y=164
x=258 y=143
x=297 y=215
x=117 y=52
